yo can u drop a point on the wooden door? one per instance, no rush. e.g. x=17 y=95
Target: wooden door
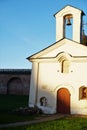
x=63 y=101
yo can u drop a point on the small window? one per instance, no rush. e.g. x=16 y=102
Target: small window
x=65 y=66
x=83 y=92
x=43 y=101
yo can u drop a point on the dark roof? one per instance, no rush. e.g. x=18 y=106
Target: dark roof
x=15 y=71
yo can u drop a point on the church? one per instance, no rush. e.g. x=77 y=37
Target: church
x=59 y=72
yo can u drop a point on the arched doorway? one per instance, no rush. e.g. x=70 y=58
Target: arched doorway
x=63 y=101
x=15 y=86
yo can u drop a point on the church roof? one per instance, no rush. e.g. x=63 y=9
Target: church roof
x=56 y=45
x=71 y=7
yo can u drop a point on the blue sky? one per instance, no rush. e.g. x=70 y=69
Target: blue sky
x=28 y=26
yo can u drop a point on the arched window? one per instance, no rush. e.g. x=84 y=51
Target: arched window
x=65 y=66
x=65 y=62
x=83 y=92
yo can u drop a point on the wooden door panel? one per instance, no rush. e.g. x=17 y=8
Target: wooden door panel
x=63 y=101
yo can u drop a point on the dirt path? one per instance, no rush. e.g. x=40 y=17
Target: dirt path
x=37 y=120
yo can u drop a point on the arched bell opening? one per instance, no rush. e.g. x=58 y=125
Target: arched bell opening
x=68 y=26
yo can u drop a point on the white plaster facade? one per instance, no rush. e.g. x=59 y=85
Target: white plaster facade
x=61 y=65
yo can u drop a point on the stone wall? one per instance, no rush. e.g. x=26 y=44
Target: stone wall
x=15 y=81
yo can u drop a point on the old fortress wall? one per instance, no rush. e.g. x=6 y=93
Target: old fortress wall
x=15 y=81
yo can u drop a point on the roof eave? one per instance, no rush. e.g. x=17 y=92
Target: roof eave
x=71 y=6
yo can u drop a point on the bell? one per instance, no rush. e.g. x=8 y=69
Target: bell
x=68 y=21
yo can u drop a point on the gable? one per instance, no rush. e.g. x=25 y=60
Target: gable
x=69 y=9
x=65 y=45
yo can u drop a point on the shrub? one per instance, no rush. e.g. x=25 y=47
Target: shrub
x=27 y=111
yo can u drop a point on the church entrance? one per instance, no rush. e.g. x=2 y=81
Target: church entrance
x=63 y=101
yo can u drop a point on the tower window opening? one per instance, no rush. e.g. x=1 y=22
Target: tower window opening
x=68 y=26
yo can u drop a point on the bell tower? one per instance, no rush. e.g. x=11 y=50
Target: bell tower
x=69 y=16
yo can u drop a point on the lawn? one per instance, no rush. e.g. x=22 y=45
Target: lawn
x=9 y=103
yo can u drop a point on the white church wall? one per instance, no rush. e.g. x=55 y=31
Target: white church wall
x=79 y=79
x=50 y=77
x=68 y=47
x=46 y=87
x=52 y=69
x=33 y=85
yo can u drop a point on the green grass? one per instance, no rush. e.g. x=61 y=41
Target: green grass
x=11 y=102
x=70 y=123
x=8 y=103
